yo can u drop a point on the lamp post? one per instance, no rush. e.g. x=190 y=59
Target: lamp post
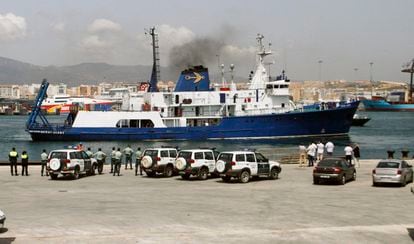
x=320 y=69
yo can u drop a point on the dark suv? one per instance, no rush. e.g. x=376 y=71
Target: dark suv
x=334 y=169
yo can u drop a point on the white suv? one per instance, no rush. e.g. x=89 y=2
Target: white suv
x=244 y=164
x=159 y=160
x=70 y=162
x=198 y=162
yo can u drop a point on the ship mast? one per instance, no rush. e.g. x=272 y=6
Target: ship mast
x=409 y=68
x=155 y=75
x=260 y=76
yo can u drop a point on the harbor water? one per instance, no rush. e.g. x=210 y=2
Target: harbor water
x=385 y=131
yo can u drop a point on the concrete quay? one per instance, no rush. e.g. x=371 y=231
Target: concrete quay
x=138 y=209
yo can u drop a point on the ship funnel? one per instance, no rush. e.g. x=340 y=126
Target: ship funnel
x=193 y=79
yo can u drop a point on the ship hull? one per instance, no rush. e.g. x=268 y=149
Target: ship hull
x=293 y=124
x=382 y=105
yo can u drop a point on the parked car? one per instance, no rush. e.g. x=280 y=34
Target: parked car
x=2 y=218
x=159 y=160
x=197 y=162
x=246 y=164
x=70 y=162
x=334 y=169
x=392 y=171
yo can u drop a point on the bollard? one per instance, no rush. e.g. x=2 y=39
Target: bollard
x=390 y=154
x=404 y=154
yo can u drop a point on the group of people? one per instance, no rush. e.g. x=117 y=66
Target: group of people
x=315 y=152
x=116 y=160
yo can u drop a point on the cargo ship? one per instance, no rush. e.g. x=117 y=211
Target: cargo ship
x=196 y=110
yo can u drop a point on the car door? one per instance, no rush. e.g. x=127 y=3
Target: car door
x=255 y=167
x=87 y=164
x=263 y=166
x=209 y=159
x=173 y=156
x=165 y=158
x=199 y=159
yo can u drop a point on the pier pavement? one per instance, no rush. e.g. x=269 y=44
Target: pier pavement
x=130 y=209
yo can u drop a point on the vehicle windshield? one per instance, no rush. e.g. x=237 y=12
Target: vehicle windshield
x=58 y=155
x=226 y=157
x=184 y=154
x=394 y=165
x=329 y=163
x=151 y=153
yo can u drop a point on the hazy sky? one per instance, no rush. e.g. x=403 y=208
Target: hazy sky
x=343 y=34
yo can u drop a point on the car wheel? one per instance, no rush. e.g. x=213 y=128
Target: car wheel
x=315 y=181
x=274 y=173
x=53 y=176
x=76 y=173
x=185 y=176
x=354 y=176
x=168 y=172
x=203 y=174
x=342 y=180
x=374 y=183
x=226 y=178
x=244 y=176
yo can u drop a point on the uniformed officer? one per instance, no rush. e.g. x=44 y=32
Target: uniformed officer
x=100 y=157
x=138 y=155
x=25 y=163
x=43 y=158
x=118 y=160
x=128 y=156
x=13 y=155
x=113 y=159
x=89 y=152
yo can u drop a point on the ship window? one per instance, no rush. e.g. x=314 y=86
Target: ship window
x=283 y=105
x=146 y=123
x=124 y=123
x=134 y=123
x=276 y=86
x=268 y=86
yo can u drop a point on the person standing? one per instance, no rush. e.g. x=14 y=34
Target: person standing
x=113 y=159
x=356 y=153
x=25 y=163
x=100 y=158
x=329 y=148
x=311 y=153
x=302 y=155
x=13 y=155
x=348 y=154
x=118 y=160
x=89 y=152
x=43 y=162
x=138 y=155
x=128 y=156
x=321 y=149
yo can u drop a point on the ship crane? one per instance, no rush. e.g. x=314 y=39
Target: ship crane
x=409 y=68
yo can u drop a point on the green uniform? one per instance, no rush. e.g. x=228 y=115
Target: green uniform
x=128 y=157
x=43 y=158
x=138 y=155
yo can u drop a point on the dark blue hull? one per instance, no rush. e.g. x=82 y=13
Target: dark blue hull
x=294 y=124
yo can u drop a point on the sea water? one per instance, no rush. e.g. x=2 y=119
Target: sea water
x=385 y=131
